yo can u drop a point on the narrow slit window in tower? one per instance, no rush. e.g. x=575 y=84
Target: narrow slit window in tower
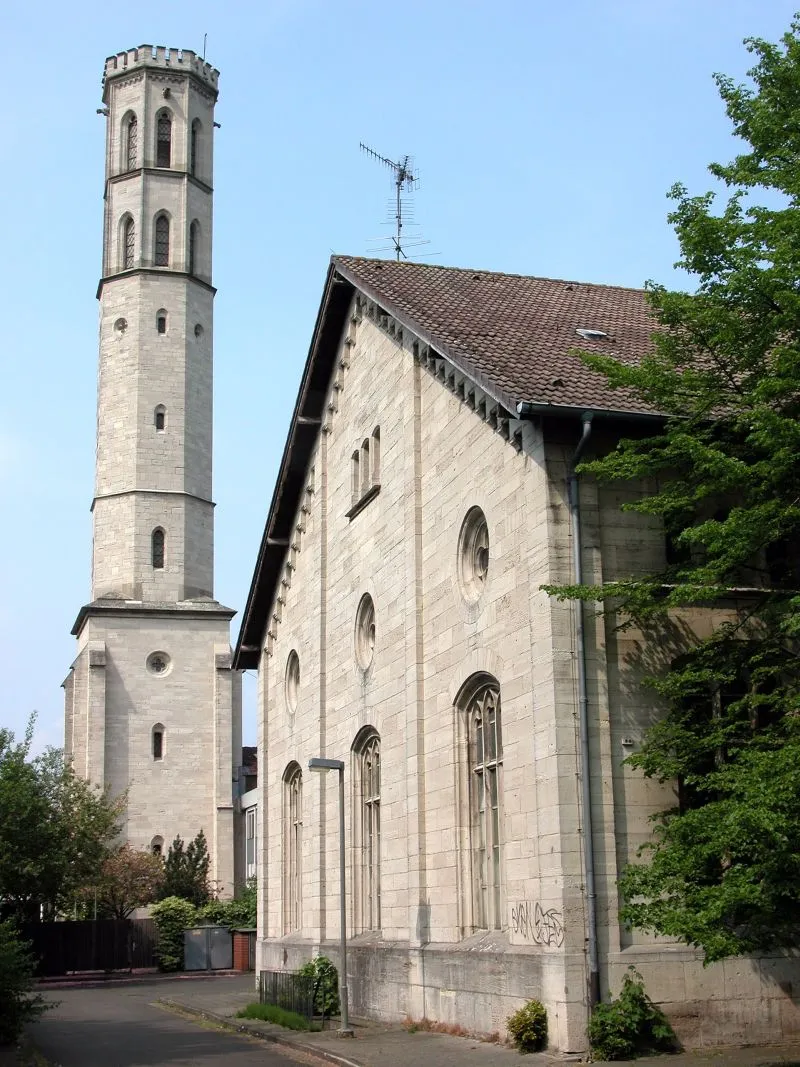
x=133 y=142
x=158 y=743
x=160 y=418
x=164 y=140
x=129 y=239
x=193 y=145
x=162 y=241
x=158 y=550
x=161 y=321
x=193 y=233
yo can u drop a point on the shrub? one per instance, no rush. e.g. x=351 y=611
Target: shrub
x=528 y=1027
x=629 y=1026
x=17 y=969
x=235 y=914
x=271 y=1013
x=326 y=984
x=172 y=916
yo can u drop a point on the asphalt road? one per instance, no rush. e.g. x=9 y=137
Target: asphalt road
x=124 y=1027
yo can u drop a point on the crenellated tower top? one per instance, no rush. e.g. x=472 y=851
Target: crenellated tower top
x=157 y=57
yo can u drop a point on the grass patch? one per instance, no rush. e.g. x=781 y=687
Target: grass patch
x=271 y=1013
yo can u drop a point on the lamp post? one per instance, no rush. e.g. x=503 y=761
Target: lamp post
x=322 y=764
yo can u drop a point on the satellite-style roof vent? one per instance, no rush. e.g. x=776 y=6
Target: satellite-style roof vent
x=592 y=335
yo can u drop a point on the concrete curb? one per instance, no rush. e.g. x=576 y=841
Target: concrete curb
x=241 y=1026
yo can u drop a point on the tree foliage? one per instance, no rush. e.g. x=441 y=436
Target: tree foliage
x=128 y=879
x=18 y=1003
x=186 y=871
x=723 y=474
x=172 y=916
x=55 y=829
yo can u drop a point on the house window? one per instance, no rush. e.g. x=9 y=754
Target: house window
x=132 y=142
x=158 y=741
x=480 y=796
x=193 y=145
x=157 y=549
x=293 y=848
x=250 y=843
x=367 y=826
x=161 y=257
x=128 y=243
x=194 y=232
x=164 y=139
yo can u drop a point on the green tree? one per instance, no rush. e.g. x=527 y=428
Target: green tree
x=186 y=871
x=18 y=1003
x=55 y=829
x=723 y=870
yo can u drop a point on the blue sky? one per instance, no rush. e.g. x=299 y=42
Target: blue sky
x=545 y=136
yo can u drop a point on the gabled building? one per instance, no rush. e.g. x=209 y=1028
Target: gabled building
x=397 y=620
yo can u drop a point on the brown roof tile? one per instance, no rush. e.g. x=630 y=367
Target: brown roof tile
x=514 y=333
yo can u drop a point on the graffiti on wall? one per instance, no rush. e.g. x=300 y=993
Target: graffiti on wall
x=533 y=924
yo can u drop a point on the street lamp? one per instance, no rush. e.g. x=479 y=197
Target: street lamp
x=322 y=764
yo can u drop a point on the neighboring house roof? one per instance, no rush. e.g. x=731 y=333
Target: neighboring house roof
x=515 y=336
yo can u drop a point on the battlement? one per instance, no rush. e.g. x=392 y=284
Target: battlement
x=179 y=60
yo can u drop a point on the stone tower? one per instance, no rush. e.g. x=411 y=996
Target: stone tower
x=152 y=705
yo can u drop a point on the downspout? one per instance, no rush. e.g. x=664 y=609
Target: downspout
x=574 y=498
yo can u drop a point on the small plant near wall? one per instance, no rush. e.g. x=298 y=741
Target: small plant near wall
x=528 y=1027
x=326 y=985
x=630 y=1026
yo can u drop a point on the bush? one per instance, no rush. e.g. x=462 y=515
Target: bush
x=17 y=969
x=172 y=916
x=528 y=1027
x=629 y=1026
x=235 y=914
x=326 y=984
x=271 y=1013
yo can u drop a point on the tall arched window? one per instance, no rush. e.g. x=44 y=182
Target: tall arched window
x=161 y=243
x=365 y=470
x=194 y=244
x=164 y=139
x=293 y=848
x=194 y=146
x=480 y=800
x=128 y=243
x=376 y=455
x=367 y=830
x=157 y=549
x=131 y=143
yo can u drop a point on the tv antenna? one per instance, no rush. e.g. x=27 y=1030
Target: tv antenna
x=404 y=179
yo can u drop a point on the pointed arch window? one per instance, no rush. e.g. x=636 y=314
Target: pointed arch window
x=194 y=241
x=161 y=257
x=194 y=139
x=293 y=848
x=132 y=143
x=367 y=827
x=157 y=549
x=164 y=139
x=128 y=243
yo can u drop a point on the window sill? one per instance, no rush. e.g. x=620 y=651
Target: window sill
x=360 y=504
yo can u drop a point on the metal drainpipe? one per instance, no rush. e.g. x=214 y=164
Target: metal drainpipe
x=573 y=493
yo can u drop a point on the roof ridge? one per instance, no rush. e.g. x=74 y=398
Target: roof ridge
x=480 y=270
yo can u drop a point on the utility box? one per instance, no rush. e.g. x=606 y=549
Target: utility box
x=207 y=948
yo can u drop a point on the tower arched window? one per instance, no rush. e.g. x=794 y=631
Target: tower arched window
x=164 y=139
x=161 y=244
x=132 y=143
x=160 y=418
x=157 y=549
x=158 y=741
x=194 y=148
x=128 y=243
x=194 y=243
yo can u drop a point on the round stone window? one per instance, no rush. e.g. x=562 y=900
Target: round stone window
x=473 y=554
x=120 y=326
x=365 y=632
x=292 y=681
x=158 y=663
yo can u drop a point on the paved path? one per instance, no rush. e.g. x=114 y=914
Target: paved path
x=122 y=1026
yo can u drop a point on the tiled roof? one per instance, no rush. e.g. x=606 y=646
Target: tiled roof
x=514 y=333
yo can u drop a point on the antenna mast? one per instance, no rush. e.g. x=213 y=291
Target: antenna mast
x=404 y=178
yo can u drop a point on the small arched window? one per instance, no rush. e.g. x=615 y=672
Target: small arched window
x=157 y=549
x=161 y=258
x=158 y=741
x=164 y=139
x=365 y=484
x=128 y=243
x=194 y=242
x=157 y=845
x=376 y=455
x=194 y=144
x=161 y=321
x=355 y=482
x=160 y=418
x=131 y=143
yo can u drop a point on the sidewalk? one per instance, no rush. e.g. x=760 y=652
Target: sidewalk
x=391 y=1045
